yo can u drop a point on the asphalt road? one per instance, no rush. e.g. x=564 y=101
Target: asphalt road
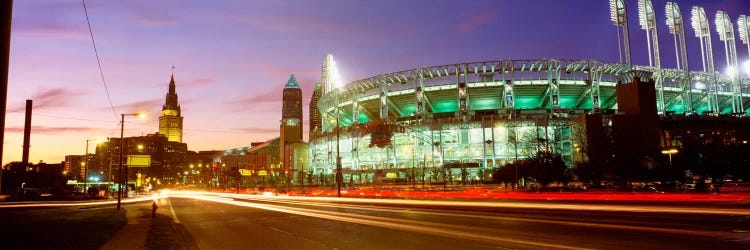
x=260 y=222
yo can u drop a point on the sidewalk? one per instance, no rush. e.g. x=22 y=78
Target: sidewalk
x=144 y=231
x=133 y=235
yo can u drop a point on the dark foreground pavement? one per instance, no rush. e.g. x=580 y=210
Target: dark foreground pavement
x=58 y=228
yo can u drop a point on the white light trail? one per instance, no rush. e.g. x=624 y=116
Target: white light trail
x=71 y=204
x=488 y=204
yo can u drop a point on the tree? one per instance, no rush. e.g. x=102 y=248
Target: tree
x=590 y=172
x=506 y=174
x=547 y=167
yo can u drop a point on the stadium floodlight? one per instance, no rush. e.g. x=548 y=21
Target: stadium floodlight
x=331 y=76
x=746 y=67
x=725 y=28
x=619 y=17
x=674 y=17
x=699 y=21
x=647 y=19
x=646 y=16
x=677 y=29
x=731 y=72
x=743 y=25
x=616 y=11
x=703 y=33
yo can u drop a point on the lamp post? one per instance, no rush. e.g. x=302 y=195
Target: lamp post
x=339 y=174
x=122 y=148
x=86 y=167
x=669 y=152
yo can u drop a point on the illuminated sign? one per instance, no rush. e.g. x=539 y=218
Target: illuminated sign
x=262 y=173
x=246 y=172
x=139 y=161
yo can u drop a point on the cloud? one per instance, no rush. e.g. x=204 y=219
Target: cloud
x=49 y=98
x=197 y=81
x=140 y=106
x=57 y=21
x=49 y=130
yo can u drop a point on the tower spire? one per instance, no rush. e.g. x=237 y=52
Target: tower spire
x=170 y=121
x=292 y=83
x=171 y=86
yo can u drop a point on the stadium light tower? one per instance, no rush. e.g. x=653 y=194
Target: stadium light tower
x=332 y=82
x=703 y=33
x=743 y=25
x=647 y=20
x=619 y=18
x=725 y=28
x=677 y=29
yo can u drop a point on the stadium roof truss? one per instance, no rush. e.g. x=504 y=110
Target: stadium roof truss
x=518 y=85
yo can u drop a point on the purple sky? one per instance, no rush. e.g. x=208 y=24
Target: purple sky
x=233 y=57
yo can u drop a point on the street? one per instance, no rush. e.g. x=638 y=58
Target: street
x=268 y=222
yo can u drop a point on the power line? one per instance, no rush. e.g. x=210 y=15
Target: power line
x=98 y=61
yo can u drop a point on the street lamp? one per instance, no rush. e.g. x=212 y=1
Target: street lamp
x=86 y=166
x=334 y=82
x=669 y=152
x=339 y=174
x=122 y=147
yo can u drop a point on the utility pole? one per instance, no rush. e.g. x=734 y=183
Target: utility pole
x=6 y=14
x=339 y=174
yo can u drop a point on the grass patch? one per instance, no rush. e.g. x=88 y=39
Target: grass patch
x=59 y=228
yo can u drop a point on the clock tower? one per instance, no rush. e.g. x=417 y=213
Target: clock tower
x=170 y=121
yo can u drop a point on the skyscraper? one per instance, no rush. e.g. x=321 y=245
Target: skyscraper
x=291 y=111
x=170 y=121
x=315 y=118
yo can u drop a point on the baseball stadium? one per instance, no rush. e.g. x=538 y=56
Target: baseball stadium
x=461 y=120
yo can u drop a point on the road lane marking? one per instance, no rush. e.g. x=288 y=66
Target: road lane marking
x=281 y=231
x=174 y=215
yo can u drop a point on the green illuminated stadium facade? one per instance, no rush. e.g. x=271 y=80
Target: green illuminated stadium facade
x=465 y=119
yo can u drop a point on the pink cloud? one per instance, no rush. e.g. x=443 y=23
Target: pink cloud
x=49 y=98
x=140 y=106
x=198 y=81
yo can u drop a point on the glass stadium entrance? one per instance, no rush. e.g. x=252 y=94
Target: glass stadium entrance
x=443 y=151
